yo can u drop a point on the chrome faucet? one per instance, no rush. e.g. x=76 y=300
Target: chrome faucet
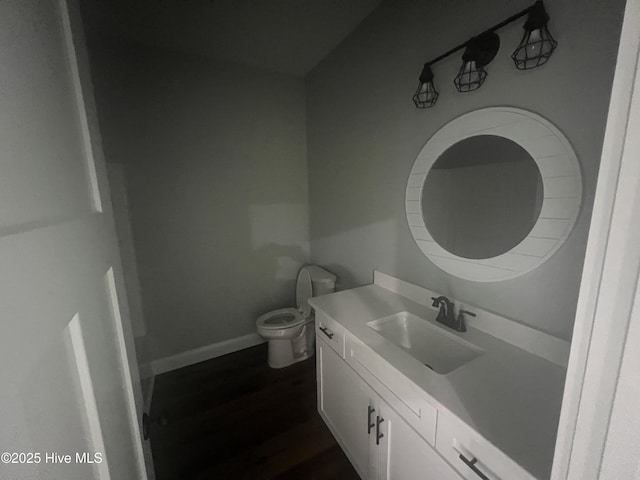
x=446 y=314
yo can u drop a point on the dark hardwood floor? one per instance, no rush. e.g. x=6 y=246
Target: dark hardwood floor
x=233 y=417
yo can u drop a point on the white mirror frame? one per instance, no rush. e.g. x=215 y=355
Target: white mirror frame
x=561 y=179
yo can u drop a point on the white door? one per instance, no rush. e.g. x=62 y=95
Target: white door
x=120 y=205
x=346 y=403
x=404 y=455
x=68 y=363
x=599 y=427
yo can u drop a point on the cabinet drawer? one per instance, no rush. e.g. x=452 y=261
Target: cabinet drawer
x=472 y=455
x=402 y=395
x=331 y=332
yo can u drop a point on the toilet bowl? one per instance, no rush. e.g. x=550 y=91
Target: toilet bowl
x=290 y=331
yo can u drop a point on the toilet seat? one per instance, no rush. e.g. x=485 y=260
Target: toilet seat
x=291 y=317
x=281 y=318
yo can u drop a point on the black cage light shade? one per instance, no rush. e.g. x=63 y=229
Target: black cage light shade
x=537 y=43
x=479 y=52
x=470 y=76
x=426 y=94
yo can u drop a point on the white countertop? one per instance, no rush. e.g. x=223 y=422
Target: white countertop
x=508 y=395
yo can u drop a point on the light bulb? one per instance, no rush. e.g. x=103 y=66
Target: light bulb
x=471 y=70
x=534 y=43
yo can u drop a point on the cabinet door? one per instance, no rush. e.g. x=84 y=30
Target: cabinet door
x=345 y=402
x=404 y=455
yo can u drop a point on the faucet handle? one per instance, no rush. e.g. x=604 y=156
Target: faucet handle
x=460 y=323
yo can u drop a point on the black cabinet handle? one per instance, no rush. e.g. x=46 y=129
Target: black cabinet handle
x=370 y=425
x=379 y=434
x=472 y=465
x=326 y=331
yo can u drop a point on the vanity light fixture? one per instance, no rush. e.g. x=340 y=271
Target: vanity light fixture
x=534 y=50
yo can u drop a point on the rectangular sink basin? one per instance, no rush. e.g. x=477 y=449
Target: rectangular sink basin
x=433 y=346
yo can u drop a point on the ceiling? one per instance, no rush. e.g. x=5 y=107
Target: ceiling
x=288 y=36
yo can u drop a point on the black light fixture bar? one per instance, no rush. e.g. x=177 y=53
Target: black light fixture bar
x=497 y=26
x=534 y=49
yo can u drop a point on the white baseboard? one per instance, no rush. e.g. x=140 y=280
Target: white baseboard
x=207 y=352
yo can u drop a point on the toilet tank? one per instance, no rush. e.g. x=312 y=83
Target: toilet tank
x=323 y=281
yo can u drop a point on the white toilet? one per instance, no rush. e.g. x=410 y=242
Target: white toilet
x=290 y=331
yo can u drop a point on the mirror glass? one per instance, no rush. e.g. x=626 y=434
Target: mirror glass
x=482 y=197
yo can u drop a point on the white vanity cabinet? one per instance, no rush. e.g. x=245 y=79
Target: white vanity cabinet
x=403 y=454
x=378 y=441
x=473 y=456
x=345 y=403
x=492 y=417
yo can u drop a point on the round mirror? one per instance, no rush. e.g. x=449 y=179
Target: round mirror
x=482 y=197
x=493 y=194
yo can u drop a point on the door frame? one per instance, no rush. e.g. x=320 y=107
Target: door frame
x=605 y=311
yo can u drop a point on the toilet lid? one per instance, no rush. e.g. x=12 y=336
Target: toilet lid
x=304 y=291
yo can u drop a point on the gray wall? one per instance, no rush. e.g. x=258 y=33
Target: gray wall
x=482 y=211
x=363 y=135
x=214 y=156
